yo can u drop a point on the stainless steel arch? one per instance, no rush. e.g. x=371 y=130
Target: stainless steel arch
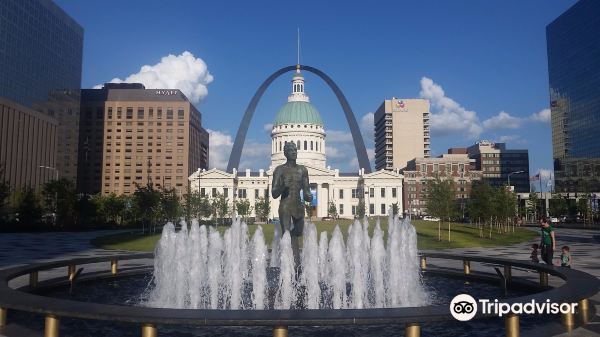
x=240 y=137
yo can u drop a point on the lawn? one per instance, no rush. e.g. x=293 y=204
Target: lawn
x=462 y=236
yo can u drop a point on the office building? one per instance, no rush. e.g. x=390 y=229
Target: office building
x=454 y=165
x=498 y=165
x=135 y=136
x=574 y=74
x=40 y=74
x=401 y=132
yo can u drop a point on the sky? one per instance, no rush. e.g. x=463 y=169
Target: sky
x=482 y=64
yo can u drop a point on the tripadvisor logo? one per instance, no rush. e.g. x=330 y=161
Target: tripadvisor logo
x=463 y=307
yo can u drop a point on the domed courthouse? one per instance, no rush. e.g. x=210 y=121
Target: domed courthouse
x=300 y=122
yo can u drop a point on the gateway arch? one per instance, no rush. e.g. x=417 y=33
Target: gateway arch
x=240 y=137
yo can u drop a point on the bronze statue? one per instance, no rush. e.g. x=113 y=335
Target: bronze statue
x=288 y=180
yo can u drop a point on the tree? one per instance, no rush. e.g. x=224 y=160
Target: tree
x=4 y=194
x=332 y=210
x=441 y=201
x=146 y=203
x=532 y=204
x=28 y=209
x=262 y=208
x=220 y=207
x=480 y=202
x=61 y=198
x=583 y=209
x=395 y=208
x=169 y=204
x=111 y=207
x=360 y=209
x=558 y=205
x=243 y=208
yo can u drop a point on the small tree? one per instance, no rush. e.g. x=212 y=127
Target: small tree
x=147 y=205
x=532 y=205
x=558 y=205
x=441 y=202
x=28 y=209
x=395 y=208
x=243 y=208
x=360 y=209
x=582 y=208
x=220 y=207
x=61 y=198
x=262 y=207
x=332 y=210
x=169 y=204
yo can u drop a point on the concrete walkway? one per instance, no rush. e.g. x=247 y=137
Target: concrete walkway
x=23 y=248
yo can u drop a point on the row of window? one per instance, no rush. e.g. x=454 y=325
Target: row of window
x=141 y=113
x=356 y=193
x=313 y=146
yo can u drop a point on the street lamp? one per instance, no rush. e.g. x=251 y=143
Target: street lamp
x=516 y=172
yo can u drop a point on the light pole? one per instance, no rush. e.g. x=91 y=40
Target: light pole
x=516 y=172
x=55 y=192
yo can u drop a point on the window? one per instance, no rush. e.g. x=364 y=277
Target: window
x=353 y=210
x=383 y=192
x=119 y=113
x=383 y=209
x=393 y=192
x=341 y=209
x=256 y=194
x=305 y=147
x=242 y=193
x=180 y=114
x=169 y=113
x=371 y=192
x=341 y=193
x=159 y=114
x=225 y=192
x=129 y=113
x=150 y=112
x=214 y=192
x=109 y=113
x=354 y=194
x=202 y=192
x=371 y=209
x=140 y=113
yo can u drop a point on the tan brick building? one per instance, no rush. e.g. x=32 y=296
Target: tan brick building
x=401 y=132
x=131 y=135
x=27 y=141
x=454 y=165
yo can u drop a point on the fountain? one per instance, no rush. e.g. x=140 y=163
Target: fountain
x=201 y=269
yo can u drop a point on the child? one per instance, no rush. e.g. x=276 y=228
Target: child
x=534 y=253
x=565 y=257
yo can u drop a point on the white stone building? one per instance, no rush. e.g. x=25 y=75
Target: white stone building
x=298 y=121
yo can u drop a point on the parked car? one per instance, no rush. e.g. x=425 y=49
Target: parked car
x=554 y=220
x=430 y=218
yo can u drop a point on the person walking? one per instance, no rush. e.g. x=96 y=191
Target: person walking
x=548 y=244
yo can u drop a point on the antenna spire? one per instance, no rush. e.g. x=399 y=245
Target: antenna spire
x=298 y=55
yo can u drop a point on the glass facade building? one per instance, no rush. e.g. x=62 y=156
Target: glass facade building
x=41 y=51
x=573 y=42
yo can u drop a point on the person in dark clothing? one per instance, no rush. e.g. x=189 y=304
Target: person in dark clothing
x=548 y=244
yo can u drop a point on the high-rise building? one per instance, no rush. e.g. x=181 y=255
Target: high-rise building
x=401 y=132
x=455 y=166
x=135 y=136
x=40 y=73
x=574 y=74
x=499 y=165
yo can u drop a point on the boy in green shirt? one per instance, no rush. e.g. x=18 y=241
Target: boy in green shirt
x=548 y=244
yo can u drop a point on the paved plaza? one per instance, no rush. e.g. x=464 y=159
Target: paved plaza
x=23 y=248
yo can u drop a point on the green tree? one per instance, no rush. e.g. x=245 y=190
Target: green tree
x=360 y=208
x=395 y=208
x=243 y=208
x=532 y=205
x=170 y=208
x=558 y=205
x=111 y=207
x=583 y=209
x=146 y=203
x=61 y=198
x=332 y=210
x=220 y=207
x=28 y=209
x=441 y=201
x=262 y=208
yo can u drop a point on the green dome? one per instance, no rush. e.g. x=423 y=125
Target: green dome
x=297 y=75
x=298 y=112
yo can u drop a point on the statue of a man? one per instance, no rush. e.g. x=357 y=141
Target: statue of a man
x=288 y=180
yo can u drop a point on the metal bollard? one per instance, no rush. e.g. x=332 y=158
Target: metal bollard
x=114 y=266
x=584 y=310
x=3 y=312
x=512 y=325
x=423 y=262
x=149 y=330
x=543 y=279
x=71 y=272
x=51 y=327
x=508 y=273
x=412 y=330
x=280 y=331
x=568 y=320
x=467 y=267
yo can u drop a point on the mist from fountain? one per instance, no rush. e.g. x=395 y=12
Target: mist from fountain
x=201 y=269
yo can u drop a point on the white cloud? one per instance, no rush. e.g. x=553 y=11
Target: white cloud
x=268 y=128
x=509 y=138
x=367 y=128
x=333 y=152
x=541 y=116
x=503 y=120
x=184 y=72
x=449 y=117
x=255 y=156
x=337 y=136
x=220 y=145
x=545 y=174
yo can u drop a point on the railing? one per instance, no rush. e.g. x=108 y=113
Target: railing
x=578 y=287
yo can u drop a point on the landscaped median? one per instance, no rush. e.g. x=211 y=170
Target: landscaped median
x=462 y=235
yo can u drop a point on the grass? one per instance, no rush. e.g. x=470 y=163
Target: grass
x=462 y=236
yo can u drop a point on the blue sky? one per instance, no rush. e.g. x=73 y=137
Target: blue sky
x=488 y=57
